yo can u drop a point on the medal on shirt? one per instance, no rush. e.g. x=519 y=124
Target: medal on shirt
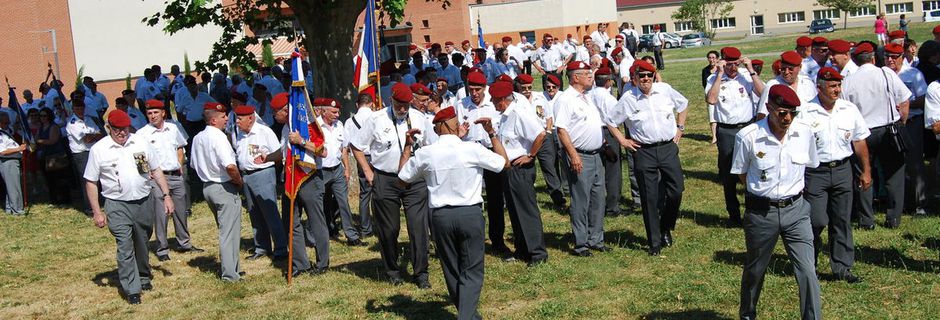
x=540 y=112
x=760 y=154
x=763 y=175
x=847 y=135
x=254 y=151
x=741 y=90
x=141 y=161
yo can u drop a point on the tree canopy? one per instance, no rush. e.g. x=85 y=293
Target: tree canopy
x=845 y=6
x=699 y=12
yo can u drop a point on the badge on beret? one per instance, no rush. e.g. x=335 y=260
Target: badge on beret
x=760 y=154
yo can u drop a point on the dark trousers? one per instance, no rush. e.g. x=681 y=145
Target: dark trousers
x=729 y=182
x=524 y=212
x=388 y=196
x=365 y=205
x=613 y=178
x=658 y=55
x=459 y=244
x=659 y=175
x=548 y=162
x=493 y=182
x=880 y=150
x=527 y=67
x=829 y=193
x=914 y=173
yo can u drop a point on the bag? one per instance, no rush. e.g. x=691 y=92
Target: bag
x=57 y=162
x=896 y=135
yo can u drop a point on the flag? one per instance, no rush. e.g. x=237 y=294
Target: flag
x=480 y=32
x=299 y=164
x=367 y=62
x=15 y=106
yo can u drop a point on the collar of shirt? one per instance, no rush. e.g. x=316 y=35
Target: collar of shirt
x=111 y=144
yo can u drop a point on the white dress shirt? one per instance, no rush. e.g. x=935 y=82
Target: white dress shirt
x=77 y=129
x=932 y=106
x=123 y=170
x=541 y=108
x=385 y=137
x=810 y=68
x=550 y=58
x=836 y=130
x=469 y=112
x=805 y=90
x=914 y=80
x=582 y=54
x=875 y=97
x=605 y=102
x=259 y=141
x=849 y=69
x=774 y=168
x=211 y=154
x=518 y=129
x=190 y=106
x=734 y=99
x=334 y=141
x=577 y=114
x=453 y=171
x=354 y=125
x=7 y=142
x=651 y=118
x=165 y=143
x=601 y=39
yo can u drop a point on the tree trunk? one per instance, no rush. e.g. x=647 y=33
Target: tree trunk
x=845 y=19
x=329 y=29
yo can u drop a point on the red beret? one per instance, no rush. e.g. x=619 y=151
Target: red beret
x=401 y=93
x=863 y=48
x=324 y=102
x=784 y=96
x=119 y=119
x=427 y=45
x=280 y=100
x=820 y=42
x=387 y=67
x=449 y=43
x=524 y=79
x=603 y=71
x=244 y=110
x=569 y=35
x=507 y=39
x=442 y=79
x=476 y=78
x=444 y=115
x=546 y=36
x=586 y=38
x=757 y=62
x=776 y=65
x=504 y=78
x=897 y=34
x=730 y=53
x=804 y=41
x=213 y=106
x=656 y=27
x=616 y=51
x=936 y=29
x=894 y=48
x=465 y=42
x=154 y=104
x=839 y=46
x=420 y=89
x=791 y=58
x=577 y=65
x=619 y=36
x=828 y=74
x=642 y=65
x=501 y=89
x=413 y=47
x=436 y=45
x=554 y=80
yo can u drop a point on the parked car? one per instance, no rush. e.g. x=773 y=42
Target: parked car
x=672 y=41
x=821 y=25
x=932 y=16
x=697 y=39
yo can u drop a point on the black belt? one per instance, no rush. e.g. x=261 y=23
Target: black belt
x=588 y=152
x=248 y=172
x=173 y=173
x=383 y=172
x=833 y=164
x=733 y=126
x=880 y=127
x=762 y=202
x=655 y=144
x=330 y=168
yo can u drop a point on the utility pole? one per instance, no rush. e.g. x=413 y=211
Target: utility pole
x=54 y=52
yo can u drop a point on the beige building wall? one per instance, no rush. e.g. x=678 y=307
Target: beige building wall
x=540 y=15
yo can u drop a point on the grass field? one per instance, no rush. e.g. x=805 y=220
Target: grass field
x=54 y=264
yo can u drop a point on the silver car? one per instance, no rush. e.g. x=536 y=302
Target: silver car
x=697 y=39
x=672 y=40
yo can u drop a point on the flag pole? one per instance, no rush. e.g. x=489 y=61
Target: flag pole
x=376 y=54
x=290 y=232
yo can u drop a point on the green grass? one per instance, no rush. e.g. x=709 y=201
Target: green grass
x=54 y=264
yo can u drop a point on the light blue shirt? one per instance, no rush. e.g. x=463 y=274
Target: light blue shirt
x=191 y=107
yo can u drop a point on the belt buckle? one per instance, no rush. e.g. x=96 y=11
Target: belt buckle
x=833 y=164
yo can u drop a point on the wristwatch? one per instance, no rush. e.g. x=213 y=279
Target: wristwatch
x=681 y=127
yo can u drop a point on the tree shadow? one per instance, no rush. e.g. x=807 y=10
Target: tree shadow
x=894 y=259
x=107 y=279
x=205 y=264
x=407 y=308
x=711 y=176
x=559 y=241
x=372 y=269
x=929 y=243
x=620 y=238
x=684 y=315
x=697 y=137
x=779 y=265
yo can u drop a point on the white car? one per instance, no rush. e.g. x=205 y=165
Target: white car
x=932 y=16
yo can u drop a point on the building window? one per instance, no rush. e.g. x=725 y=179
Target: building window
x=684 y=26
x=529 y=36
x=648 y=28
x=788 y=17
x=931 y=5
x=427 y=39
x=898 y=8
x=868 y=11
x=723 y=23
x=826 y=14
x=424 y=23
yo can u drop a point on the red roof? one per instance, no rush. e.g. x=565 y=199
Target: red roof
x=633 y=3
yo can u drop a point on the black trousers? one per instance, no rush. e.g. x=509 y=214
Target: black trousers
x=524 y=212
x=495 y=202
x=658 y=55
x=729 y=182
x=829 y=193
x=388 y=197
x=459 y=244
x=892 y=165
x=613 y=177
x=659 y=174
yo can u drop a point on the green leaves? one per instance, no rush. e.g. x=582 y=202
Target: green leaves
x=699 y=12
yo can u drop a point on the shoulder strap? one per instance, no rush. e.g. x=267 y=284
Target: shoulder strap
x=356 y=122
x=890 y=95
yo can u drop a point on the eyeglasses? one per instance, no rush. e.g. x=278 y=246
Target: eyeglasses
x=893 y=56
x=788 y=66
x=641 y=75
x=821 y=49
x=783 y=113
x=526 y=87
x=551 y=87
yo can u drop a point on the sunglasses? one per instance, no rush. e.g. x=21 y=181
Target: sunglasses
x=551 y=87
x=641 y=75
x=893 y=56
x=783 y=113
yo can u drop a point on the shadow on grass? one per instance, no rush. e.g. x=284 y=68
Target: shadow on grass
x=683 y=315
x=711 y=175
x=698 y=137
x=372 y=269
x=892 y=258
x=406 y=307
x=205 y=264
x=704 y=219
x=929 y=243
x=779 y=264
x=619 y=238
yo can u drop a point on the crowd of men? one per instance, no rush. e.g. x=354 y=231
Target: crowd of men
x=806 y=144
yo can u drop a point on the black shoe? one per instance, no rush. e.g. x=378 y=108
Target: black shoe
x=163 y=257
x=866 y=226
x=256 y=256
x=298 y=272
x=602 y=248
x=536 y=262
x=848 y=277
x=241 y=273
x=317 y=271
x=734 y=222
x=654 y=252
x=190 y=249
x=892 y=224
x=279 y=258
x=585 y=253
x=133 y=299
x=667 y=238
x=424 y=284
x=501 y=250
x=356 y=243
x=146 y=286
x=396 y=280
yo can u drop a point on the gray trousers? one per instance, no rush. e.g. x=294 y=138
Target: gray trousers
x=388 y=197
x=892 y=167
x=130 y=223
x=459 y=243
x=548 y=162
x=226 y=204
x=587 y=203
x=365 y=204
x=261 y=200
x=561 y=157
x=613 y=178
x=10 y=171
x=524 y=212
x=762 y=227
x=309 y=195
x=180 y=216
x=79 y=160
x=914 y=164
x=729 y=182
x=829 y=193
x=334 y=180
x=659 y=174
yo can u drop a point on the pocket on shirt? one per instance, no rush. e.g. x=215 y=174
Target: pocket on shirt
x=800 y=158
x=845 y=131
x=765 y=163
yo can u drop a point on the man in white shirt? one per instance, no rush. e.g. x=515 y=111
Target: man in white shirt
x=125 y=165
x=550 y=59
x=790 y=65
x=541 y=109
x=839 y=57
x=189 y=106
x=453 y=170
x=82 y=135
x=579 y=125
x=770 y=157
x=353 y=127
x=214 y=162
x=601 y=38
x=11 y=154
x=384 y=135
x=582 y=53
x=916 y=198
x=658 y=42
x=333 y=169
x=884 y=100
x=817 y=58
x=840 y=133
x=610 y=152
